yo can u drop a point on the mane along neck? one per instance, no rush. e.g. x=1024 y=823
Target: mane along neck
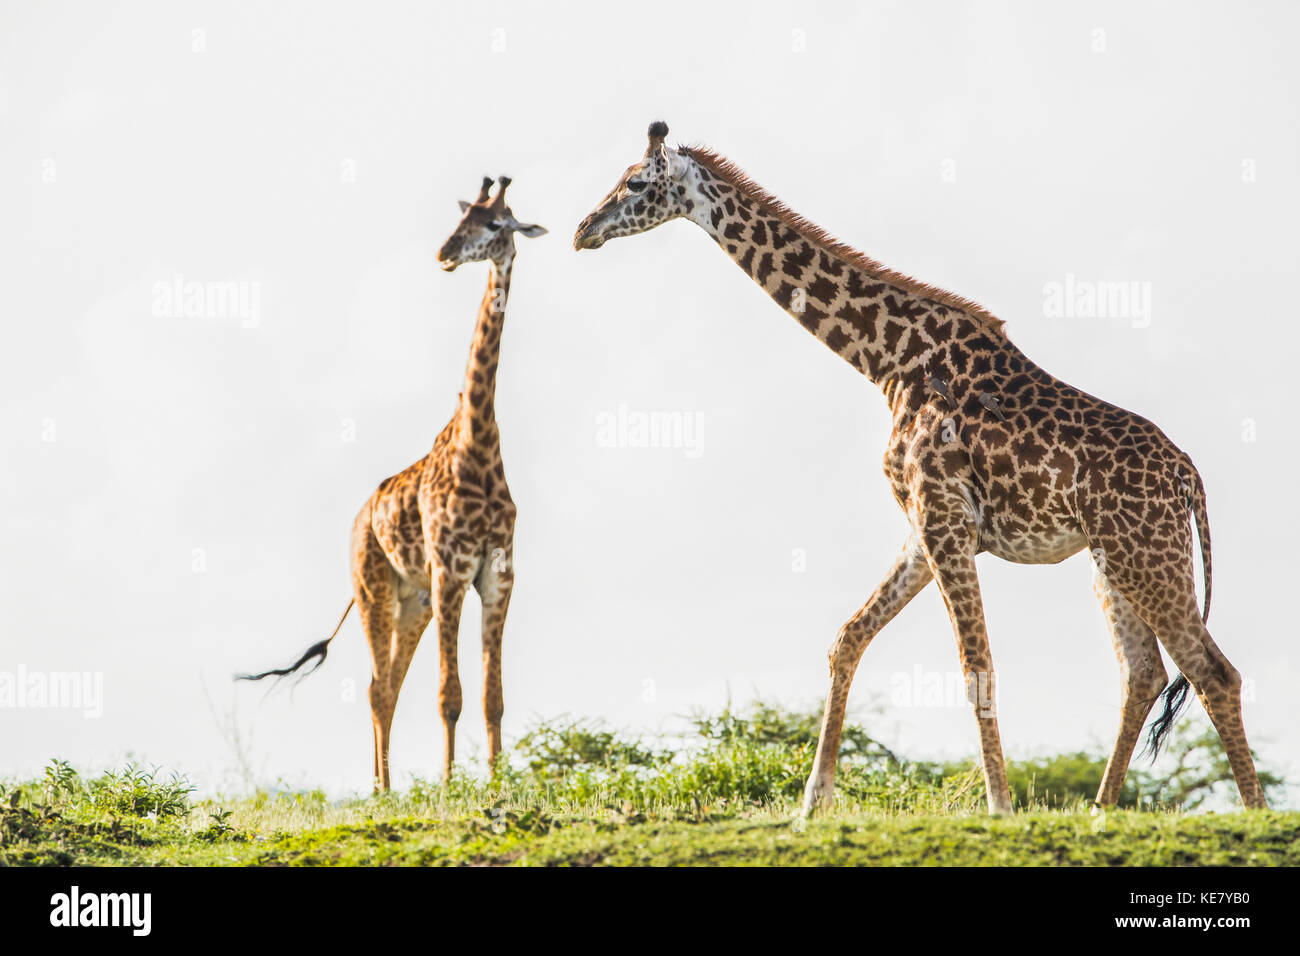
x=883 y=322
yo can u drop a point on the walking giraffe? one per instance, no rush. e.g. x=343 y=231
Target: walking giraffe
x=446 y=522
x=988 y=452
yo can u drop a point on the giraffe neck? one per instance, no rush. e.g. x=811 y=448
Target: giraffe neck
x=889 y=327
x=476 y=415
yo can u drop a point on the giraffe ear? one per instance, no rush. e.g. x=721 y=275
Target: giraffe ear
x=463 y=204
x=531 y=230
x=677 y=163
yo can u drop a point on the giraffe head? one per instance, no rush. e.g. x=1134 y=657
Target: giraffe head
x=652 y=191
x=486 y=229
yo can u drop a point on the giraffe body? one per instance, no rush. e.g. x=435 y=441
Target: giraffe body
x=988 y=452
x=425 y=536
x=445 y=523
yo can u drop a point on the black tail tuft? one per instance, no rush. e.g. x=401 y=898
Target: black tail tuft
x=316 y=652
x=1175 y=697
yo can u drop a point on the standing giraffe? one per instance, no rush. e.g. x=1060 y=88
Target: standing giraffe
x=446 y=522
x=988 y=452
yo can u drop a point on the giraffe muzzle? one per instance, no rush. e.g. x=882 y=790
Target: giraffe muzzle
x=447 y=259
x=588 y=236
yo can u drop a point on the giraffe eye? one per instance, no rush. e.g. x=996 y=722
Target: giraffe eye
x=494 y=226
x=636 y=185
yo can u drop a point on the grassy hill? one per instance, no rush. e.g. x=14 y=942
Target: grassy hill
x=576 y=794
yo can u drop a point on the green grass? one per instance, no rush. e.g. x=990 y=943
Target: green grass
x=302 y=830
x=573 y=793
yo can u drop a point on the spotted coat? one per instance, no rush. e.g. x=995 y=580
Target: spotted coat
x=446 y=523
x=987 y=452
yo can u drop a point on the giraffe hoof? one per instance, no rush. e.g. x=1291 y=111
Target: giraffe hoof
x=816 y=797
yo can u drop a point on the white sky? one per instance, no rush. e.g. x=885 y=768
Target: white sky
x=315 y=152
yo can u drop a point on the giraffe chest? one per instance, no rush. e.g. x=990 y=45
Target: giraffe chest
x=466 y=528
x=458 y=539
x=1020 y=493
x=448 y=518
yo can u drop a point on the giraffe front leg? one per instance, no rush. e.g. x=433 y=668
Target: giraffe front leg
x=949 y=536
x=906 y=578
x=494 y=584
x=449 y=593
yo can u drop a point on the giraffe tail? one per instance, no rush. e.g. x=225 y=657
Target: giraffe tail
x=316 y=652
x=1175 y=695
x=1197 y=500
x=1175 y=698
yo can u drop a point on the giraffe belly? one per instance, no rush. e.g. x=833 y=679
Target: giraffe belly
x=1036 y=545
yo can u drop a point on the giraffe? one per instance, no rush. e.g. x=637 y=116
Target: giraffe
x=987 y=453
x=446 y=522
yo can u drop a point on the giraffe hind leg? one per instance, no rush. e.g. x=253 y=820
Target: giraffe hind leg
x=374 y=587
x=1216 y=682
x=1218 y=687
x=376 y=612
x=1144 y=678
x=411 y=620
x=1151 y=565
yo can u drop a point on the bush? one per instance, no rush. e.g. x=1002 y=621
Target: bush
x=554 y=749
x=765 y=723
x=1196 y=770
x=760 y=756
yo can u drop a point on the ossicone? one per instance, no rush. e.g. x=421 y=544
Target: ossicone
x=658 y=130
